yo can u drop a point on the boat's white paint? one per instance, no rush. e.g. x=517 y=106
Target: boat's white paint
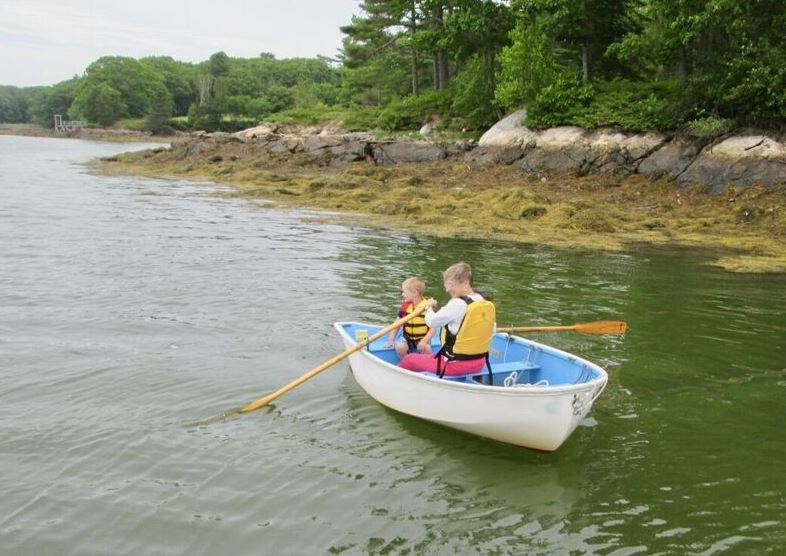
x=540 y=417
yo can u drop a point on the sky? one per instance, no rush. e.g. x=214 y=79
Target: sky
x=43 y=42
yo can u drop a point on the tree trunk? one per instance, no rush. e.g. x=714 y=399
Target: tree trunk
x=442 y=69
x=584 y=63
x=682 y=70
x=414 y=71
x=441 y=59
x=415 y=84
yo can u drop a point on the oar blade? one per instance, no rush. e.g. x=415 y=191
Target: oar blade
x=613 y=327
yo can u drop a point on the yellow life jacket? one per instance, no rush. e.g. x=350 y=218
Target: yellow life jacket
x=416 y=328
x=475 y=332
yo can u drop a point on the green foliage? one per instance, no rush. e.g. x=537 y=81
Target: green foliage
x=636 y=64
x=354 y=118
x=13 y=104
x=527 y=66
x=412 y=112
x=709 y=126
x=178 y=77
x=218 y=64
x=753 y=86
x=384 y=77
x=160 y=109
x=131 y=79
x=360 y=118
x=634 y=106
x=729 y=56
x=630 y=105
x=133 y=124
x=581 y=31
x=49 y=101
x=472 y=92
x=99 y=103
x=559 y=103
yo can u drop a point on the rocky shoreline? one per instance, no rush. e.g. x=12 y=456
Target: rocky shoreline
x=564 y=187
x=737 y=160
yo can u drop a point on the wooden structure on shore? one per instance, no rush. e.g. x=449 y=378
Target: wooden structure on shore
x=67 y=126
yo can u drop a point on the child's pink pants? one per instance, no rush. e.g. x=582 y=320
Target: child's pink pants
x=420 y=362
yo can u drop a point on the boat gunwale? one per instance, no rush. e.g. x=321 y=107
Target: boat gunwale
x=518 y=390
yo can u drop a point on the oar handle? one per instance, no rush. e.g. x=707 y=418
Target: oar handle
x=559 y=328
x=261 y=402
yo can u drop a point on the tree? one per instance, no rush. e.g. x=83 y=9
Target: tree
x=100 y=103
x=218 y=64
x=527 y=66
x=387 y=35
x=160 y=109
x=13 y=104
x=475 y=32
x=48 y=101
x=135 y=81
x=178 y=77
x=582 y=29
x=728 y=55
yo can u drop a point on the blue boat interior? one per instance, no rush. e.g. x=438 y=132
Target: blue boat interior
x=514 y=361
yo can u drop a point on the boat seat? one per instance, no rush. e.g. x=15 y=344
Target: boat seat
x=510 y=366
x=498 y=370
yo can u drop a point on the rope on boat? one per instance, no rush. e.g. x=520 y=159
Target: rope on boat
x=510 y=381
x=584 y=401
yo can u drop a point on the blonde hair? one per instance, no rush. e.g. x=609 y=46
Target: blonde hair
x=414 y=283
x=459 y=272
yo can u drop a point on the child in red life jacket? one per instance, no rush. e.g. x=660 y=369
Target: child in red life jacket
x=417 y=336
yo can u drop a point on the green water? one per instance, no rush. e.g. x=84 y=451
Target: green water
x=686 y=448
x=133 y=309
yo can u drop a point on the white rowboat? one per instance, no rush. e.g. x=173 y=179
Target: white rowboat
x=538 y=397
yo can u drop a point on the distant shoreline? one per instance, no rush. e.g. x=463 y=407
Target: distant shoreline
x=92 y=134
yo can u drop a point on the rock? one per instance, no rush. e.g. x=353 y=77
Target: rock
x=508 y=132
x=669 y=161
x=487 y=156
x=396 y=152
x=759 y=146
x=620 y=153
x=738 y=160
x=741 y=160
x=252 y=133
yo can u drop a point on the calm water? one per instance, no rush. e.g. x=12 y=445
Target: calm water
x=131 y=309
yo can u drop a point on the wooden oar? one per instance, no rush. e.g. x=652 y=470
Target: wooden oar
x=597 y=327
x=261 y=402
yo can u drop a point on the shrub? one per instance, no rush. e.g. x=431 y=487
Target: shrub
x=561 y=102
x=709 y=126
x=413 y=111
x=473 y=95
x=630 y=105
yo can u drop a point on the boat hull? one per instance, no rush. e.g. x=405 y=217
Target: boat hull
x=535 y=415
